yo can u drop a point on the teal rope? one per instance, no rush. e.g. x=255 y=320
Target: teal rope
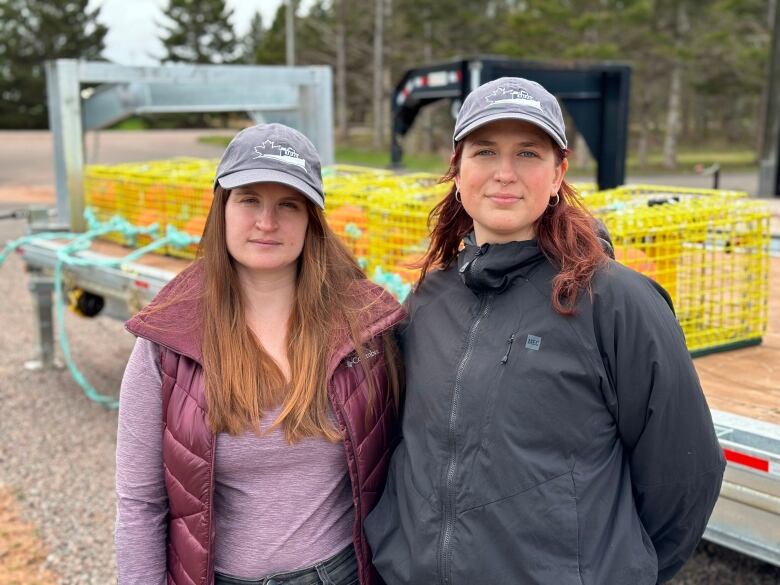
x=89 y=391
x=353 y=231
x=13 y=245
x=392 y=282
x=66 y=256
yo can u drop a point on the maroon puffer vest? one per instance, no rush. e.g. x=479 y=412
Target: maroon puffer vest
x=188 y=443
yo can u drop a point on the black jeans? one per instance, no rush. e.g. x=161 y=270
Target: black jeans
x=340 y=569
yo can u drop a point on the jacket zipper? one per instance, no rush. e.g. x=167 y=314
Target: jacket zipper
x=210 y=550
x=357 y=484
x=449 y=499
x=481 y=250
x=509 y=341
x=210 y=554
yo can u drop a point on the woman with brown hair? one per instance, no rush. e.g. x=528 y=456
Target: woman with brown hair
x=554 y=430
x=258 y=408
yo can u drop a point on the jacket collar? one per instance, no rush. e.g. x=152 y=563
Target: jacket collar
x=493 y=267
x=172 y=319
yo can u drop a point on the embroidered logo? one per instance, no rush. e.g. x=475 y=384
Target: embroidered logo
x=504 y=95
x=279 y=152
x=533 y=342
x=355 y=359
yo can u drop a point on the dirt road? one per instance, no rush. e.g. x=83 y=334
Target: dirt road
x=26 y=156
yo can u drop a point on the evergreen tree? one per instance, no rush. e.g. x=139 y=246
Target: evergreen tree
x=272 y=49
x=314 y=37
x=31 y=32
x=199 y=32
x=253 y=39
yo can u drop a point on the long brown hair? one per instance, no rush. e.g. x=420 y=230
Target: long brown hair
x=565 y=233
x=242 y=380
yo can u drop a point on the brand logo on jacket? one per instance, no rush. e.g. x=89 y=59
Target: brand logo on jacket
x=533 y=342
x=279 y=152
x=355 y=359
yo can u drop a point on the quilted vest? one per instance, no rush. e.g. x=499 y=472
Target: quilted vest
x=189 y=445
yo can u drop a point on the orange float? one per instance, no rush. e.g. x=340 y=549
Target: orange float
x=406 y=267
x=195 y=226
x=146 y=218
x=635 y=259
x=347 y=221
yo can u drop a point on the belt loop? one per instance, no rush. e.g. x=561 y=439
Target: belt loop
x=323 y=574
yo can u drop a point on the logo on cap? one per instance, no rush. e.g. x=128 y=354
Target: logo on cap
x=504 y=95
x=279 y=152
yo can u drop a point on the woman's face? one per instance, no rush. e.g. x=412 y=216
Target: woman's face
x=265 y=226
x=508 y=173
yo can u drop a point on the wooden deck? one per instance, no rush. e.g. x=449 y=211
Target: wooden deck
x=747 y=381
x=743 y=381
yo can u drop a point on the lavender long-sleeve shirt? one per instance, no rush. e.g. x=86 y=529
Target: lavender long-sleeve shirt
x=277 y=507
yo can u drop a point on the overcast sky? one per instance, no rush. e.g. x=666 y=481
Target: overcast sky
x=134 y=32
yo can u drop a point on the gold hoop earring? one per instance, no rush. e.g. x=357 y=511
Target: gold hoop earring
x=557 y=200
x=457 y=195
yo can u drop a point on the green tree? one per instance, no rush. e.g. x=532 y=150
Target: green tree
x=731 y=56
x=698 y=66
x=199 y=32
x=314 y=37
x=271 y=50
x=253 y=39
x=32 y=32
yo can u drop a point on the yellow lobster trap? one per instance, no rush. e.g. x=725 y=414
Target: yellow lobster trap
x=347 y=189
x=708 y=249
x=175 y=192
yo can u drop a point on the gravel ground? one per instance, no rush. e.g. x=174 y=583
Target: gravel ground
x=57 y=448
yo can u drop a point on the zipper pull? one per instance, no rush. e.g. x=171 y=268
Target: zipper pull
x=510 y=341
x=477 y=254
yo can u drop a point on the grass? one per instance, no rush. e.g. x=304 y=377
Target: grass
x=431 y=163
x=132 y=123
x=215 y=140
x=730 y=159
x=367 y=157
x=687 y=159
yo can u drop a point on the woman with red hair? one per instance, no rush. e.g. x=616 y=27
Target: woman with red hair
x=554 y=429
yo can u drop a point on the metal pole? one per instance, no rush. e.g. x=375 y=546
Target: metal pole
x=379 y=133
x=64 y=99
x=770 y=157
x=290 y=31
x=42 y=288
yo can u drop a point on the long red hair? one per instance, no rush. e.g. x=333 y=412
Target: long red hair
x=565 y=232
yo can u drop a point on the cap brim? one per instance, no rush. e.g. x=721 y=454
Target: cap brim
x=510 y=116
x=249 y=176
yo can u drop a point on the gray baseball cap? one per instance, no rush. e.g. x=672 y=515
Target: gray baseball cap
x=511 y=98
x=272 y=153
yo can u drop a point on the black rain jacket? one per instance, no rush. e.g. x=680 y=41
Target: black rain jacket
x=543 y=449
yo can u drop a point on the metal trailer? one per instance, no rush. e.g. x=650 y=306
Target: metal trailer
x=594 y=95
x=747 y=515
x=88 y=95
x=301 y=97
